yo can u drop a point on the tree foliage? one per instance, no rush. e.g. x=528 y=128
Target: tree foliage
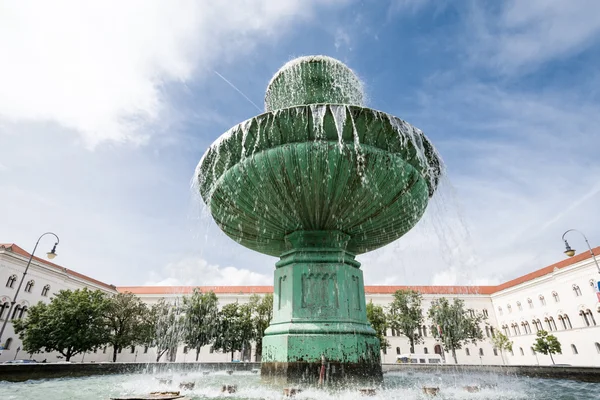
x=201 y=319
x=72 y=323
x=459 y=326
x=547 y=344
x=262 y=313
x=405 y=316
x=378 y=321
x=127 y=317
x=167 y=324
x=236 y=328
x=502 y=343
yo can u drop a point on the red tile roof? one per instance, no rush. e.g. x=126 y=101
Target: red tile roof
x=18 y=250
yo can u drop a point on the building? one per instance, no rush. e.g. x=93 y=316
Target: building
x=561 y=298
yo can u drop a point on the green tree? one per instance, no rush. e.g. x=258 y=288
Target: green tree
x=405 y=316
x=127 y=318
x=167 y=328
x=547 y=344
x=459 y=326
x=235 y=328
x=201 y=319
x=502 y=343
x=72 y=323
x=262 y=314
x=378 y=321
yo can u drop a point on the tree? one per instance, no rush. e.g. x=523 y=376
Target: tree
x=167 y=328
x=235 y=328
x=128 y=320
x=502 y=343
x=547 y=344
x=262 y=313
x=72 y=323
x=456 y=325
x=201 y=319
x=378 y=321
x=406 y=316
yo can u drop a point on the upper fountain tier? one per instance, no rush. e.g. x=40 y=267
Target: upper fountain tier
x=313 y=80
x=318 y=160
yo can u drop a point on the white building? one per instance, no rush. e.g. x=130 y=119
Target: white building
x=561 y=298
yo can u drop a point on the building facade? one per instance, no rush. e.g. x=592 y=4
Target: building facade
x=561 y=298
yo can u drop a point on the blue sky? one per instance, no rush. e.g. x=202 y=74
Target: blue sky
x=106 y=109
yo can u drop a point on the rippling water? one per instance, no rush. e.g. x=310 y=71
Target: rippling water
x=403 y=385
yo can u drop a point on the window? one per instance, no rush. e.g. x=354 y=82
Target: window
x=495 y=351
x=212 y=350
x=584 y=316
x=485 y=312
x=132 y=349
x=593 y=285
x=516 y=329
x=487 y=331
x=424 y=331
x=500 y=310
x=397 y=350
x=29 y=286
x=551 y=324
x=480 y=352
x=4 y=307
x=104 y=350
x=15 y=312
x=526 y=327
x=472 y=313
x=23 y=311
x=555 y=296
x=530 y=302
x=542 y=300
x=467 y=351
x=45 y=290
x=562 y=321
x=8 y=343
x=574 y=349
x=437 y=349
x=521 y=350
x=145 y=349
x=538 y=325
x=425 y=350
x=11 y=281
x=492 y=331
x=185 y=350
x=119 y=351
x=590 y=317
x=576 y=290
x=567 y=321
x=505 y=329
x=597 y=347
x=519 y=306
x=509 y=308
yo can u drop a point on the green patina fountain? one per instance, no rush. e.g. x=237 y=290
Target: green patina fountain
x=316 y=180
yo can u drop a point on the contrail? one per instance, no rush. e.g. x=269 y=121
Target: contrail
x=238 y=90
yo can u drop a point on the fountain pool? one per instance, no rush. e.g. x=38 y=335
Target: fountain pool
x=396 y=385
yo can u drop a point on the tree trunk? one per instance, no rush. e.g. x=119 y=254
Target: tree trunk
x=232 y=354
x=412 y=345
x=197 y=353
x=160 y=354
x=454 y=355
x=115 y=349
x=551 y=358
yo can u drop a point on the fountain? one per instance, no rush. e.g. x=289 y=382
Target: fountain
x=316 y=180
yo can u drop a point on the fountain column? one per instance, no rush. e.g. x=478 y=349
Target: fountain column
x=319 y=310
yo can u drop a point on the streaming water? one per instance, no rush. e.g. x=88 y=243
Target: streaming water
x=405 y=385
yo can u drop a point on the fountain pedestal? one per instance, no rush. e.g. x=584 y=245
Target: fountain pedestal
x=319 y=310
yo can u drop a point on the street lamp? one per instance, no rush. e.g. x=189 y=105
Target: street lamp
x=51 y=254
x=571 y=252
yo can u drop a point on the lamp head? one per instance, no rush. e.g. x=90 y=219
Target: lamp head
x=52 y=253
x=568 y=250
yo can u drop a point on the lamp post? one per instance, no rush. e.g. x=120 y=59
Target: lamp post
x=571 y=252
x=51 y=254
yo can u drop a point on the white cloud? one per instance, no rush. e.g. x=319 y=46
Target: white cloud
x=99 y=67
x=198 y=272
x=526 y=34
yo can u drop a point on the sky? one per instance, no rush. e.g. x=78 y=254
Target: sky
x=106 y=107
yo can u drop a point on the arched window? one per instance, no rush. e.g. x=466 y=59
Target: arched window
x=8 y=343
x=145 y=349
x=576 y=290
x=487 y=331
x=574 y=349
x=526 y=327
x=562 y=321
x=480 y=352
x=567 y=321
x=593 y=285
x=519 y=306
x=119 y=351
x=29 y=286
x=597 y=347
x=23 y=311
x=521 y=350
x=553 y=323
x=437 y=349
x=495 y=351
x=425 y=350
x=530 y=302
x=212 y=350
x=397 y=350
x=132 y=349
x=500 y=310
x=467 y=351
x=104 y=350
x=45 y=290
x=424 y=330
x=16 y=311
x=492 y=331
x=590 y=317
x=509 y=308
x=4 y=307
x=542 y=300
x=506 y=330
x=555 y=296
x=584 y=317
x=11 y=281
x=485 y=312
